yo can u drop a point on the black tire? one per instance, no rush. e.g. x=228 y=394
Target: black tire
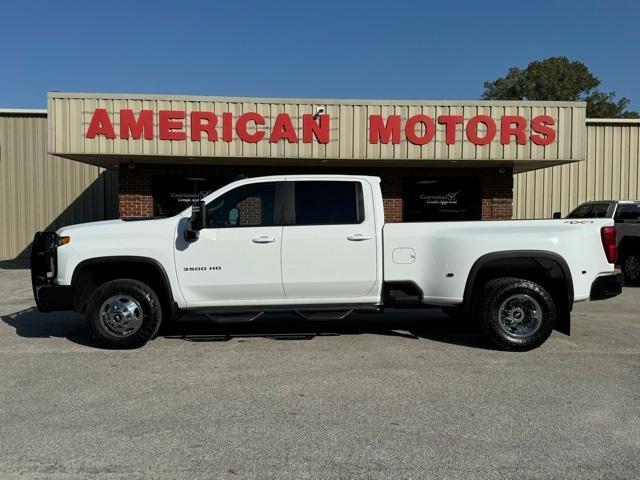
x=498 y=295
x=631 y=268
x=151 y=315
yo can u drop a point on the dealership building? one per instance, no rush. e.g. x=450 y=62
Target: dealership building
x=97 y=156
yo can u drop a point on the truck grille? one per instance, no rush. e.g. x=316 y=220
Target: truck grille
x=43 y=258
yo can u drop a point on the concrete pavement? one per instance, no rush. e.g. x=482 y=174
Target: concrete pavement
x=404 y=395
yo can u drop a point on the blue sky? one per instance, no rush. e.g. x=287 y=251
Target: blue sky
x=335 y=49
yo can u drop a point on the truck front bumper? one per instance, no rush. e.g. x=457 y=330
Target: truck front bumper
x=606 y=286
x=44 y=265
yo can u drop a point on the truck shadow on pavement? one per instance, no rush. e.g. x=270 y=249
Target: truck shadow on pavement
x=30 y=323
x=432 y=325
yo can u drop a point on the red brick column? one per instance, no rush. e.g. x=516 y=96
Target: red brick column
x=392 y=200
x=136 y=199
x=497 y=195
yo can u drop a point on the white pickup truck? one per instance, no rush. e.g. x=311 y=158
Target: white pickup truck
x=318 y=245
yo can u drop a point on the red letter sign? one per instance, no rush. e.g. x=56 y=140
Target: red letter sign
x=209 y=125
x=283 y=128
x=129 y=124
x=100 y=125
x=311 y=128
x=450 y=122
x=241 y=127
x=507 y=129
x=227 y=127
x=540 y=124
x=379 y=132
x=472 y=130
x=171 y=125
x=429 y=129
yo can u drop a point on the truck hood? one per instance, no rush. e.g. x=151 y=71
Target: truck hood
x=153 y=239
x=86 y=227
x=117 y=228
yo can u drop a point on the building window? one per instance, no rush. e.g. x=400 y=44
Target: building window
x=173 y=193
x=442 y=199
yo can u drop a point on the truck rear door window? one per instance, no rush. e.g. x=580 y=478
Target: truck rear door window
x=600 y=210
x=328 y=203
x=590 y=210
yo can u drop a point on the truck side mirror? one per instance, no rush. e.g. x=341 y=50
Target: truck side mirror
x=557 y=215
x=196 y=222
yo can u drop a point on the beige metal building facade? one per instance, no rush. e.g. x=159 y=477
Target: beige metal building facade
x=40 y=191
x=349 y=123
x=611 y=171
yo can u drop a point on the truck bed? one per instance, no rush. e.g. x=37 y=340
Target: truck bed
x=439 y=256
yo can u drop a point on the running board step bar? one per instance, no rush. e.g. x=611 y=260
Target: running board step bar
x=305 y=309
x=324 y=314
x=227 y=318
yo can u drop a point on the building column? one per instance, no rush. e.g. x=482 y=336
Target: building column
x=497 y=194
x=135 y=198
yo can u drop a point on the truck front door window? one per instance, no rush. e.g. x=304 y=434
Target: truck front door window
x=247 y=206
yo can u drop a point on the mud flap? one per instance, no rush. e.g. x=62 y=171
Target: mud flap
x=563 y=324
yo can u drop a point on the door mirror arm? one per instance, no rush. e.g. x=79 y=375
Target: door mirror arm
x=196 y=222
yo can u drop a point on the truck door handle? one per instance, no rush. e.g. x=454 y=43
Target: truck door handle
x=358 y=237
x=264 y=239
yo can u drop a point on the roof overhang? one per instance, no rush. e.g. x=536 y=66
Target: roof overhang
x=115 y=162
x=23 y=111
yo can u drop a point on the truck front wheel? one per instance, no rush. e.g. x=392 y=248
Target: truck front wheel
x=123 y=313
x=516 y=314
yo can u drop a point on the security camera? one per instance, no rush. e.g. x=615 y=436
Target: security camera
x=132 y=165
x=319 y=111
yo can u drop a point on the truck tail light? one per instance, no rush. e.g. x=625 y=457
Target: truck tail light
x=608 y=235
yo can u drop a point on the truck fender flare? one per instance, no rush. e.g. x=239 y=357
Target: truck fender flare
x=511 y=254
x=126 y=259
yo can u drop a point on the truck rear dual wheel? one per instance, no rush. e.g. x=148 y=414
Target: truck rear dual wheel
x=123 y=313
x=631 y=268
x=515 y=314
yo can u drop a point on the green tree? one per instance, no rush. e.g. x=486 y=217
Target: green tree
x=558 y=79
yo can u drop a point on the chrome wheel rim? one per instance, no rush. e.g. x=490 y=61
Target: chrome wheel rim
x=520 y=316
x=121 y=315
x=632 y=267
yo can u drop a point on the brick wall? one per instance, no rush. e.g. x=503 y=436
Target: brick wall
x=136 y=198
